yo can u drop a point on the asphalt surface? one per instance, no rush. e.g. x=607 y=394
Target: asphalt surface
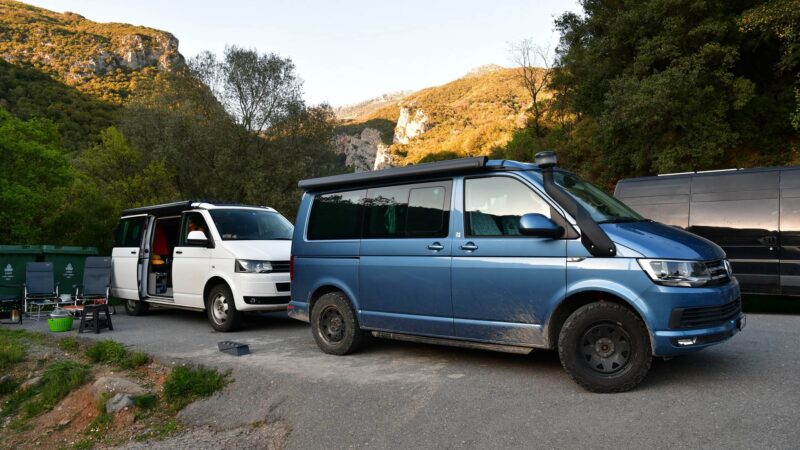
x=744 y=393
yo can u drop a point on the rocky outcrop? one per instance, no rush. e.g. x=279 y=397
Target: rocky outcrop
x=360 y=150
x=409 y=126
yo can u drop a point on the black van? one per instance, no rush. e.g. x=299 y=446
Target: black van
x=753 y=214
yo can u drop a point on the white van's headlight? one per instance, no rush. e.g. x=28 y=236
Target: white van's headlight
x=250 y=266
x=676 y=272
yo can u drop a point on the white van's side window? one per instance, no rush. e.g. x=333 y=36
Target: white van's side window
x=193 y=222
x=494 y=206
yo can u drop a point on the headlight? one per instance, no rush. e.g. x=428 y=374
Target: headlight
x=250 y=266
x=676 y=272
x=728 y=267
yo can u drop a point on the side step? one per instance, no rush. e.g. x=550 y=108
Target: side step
x=453 y=342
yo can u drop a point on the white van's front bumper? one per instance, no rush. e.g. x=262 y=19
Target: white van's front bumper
x=261 y=291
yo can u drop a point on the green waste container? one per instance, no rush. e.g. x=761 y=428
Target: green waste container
x=13 y=259
x=67 y=264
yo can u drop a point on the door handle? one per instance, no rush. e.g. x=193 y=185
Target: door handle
x=133 y=252
x=469 y=246
x=436 y=247
x=179 y=252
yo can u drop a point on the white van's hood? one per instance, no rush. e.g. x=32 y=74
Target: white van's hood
x=259 y=250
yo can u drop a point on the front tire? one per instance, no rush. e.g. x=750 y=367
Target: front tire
x=335 y=326
x=136 y=307
x=221 y=309
x=605 y=347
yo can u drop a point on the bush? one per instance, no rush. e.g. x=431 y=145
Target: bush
x=188 y=383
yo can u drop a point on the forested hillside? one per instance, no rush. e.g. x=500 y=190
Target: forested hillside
x=95 y=118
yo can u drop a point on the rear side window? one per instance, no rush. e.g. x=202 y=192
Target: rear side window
x=428 y=212
x=407 y=211
x=336 y=216
x=129 y=232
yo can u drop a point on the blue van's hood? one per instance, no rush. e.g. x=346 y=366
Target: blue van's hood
x=656 y=240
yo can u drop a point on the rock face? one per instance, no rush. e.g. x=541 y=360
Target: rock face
x=360 y=150
x=367 y=151
x=408 y=126
x=115 y=385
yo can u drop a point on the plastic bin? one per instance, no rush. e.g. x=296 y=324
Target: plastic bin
x=13 y=259
x=67 y=264
x=59 y=320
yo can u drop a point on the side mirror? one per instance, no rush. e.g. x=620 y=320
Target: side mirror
x=537 y=225
x=197 y=237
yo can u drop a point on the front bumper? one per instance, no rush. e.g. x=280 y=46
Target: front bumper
x=262 y=292
x=669 y=340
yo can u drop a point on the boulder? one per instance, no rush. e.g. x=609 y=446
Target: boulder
x=115 y=385
x=29 y=383
x=118 y=402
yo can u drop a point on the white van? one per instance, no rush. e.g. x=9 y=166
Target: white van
x=222 y=258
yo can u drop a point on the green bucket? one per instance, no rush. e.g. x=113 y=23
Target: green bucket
x=59 y=324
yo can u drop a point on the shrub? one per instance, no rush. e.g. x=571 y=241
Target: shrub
x=69 y=345
x=188 y=383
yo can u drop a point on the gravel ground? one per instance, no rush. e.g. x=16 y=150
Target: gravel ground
x=744 y=393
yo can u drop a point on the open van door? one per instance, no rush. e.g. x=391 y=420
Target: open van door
x=127 y=256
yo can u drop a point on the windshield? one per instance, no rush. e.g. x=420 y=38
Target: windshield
x=251 y=225
x=603 y=207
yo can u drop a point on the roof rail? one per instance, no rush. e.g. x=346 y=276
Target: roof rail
x=394 y=173
x=699 y=171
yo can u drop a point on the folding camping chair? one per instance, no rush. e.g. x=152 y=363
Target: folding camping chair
x=96 y=282
x=40 y=290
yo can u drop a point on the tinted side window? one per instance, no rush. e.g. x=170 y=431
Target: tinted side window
x=386 y=210
x=129 y=232
x=336 y=216
x=428 y=212
x=494 y=205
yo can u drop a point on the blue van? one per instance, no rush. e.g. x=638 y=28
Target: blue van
x=506 y=256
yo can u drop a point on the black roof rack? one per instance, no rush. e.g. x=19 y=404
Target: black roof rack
x=168 y=209
x=395 y=173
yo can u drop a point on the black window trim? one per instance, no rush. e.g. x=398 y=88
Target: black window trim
x=448 y=195
x=557 y=215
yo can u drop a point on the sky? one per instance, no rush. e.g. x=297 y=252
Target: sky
x=346 y=51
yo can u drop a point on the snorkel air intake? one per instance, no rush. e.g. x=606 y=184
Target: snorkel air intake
x=592 y=236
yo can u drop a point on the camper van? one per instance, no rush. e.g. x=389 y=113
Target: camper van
x=508 y=256
x=753 y=214
x=225 y=259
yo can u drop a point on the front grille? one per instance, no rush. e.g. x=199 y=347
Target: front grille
x=719 y=274
x=280 y=266
x=707 y=316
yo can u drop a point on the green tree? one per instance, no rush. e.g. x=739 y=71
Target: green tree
x=671 y=85
x=32 y=170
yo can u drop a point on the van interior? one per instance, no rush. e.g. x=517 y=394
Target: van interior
x=165 y=239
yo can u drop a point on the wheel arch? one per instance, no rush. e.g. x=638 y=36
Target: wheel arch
x=326 y=289
x=577 y=300
x=214 y=281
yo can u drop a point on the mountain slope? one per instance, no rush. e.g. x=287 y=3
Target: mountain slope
x=469 y=116
x=107 y=60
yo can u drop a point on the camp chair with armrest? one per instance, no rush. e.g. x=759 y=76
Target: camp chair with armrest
x=40 y=290
x=96 y=281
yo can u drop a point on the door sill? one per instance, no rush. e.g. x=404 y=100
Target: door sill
x=453 y=342
x=156 y=298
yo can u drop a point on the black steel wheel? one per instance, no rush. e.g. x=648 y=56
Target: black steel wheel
x=334 y=324
x=605 y=347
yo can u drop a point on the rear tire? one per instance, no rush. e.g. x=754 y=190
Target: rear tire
x=334 y=325
x=605 y=347
x=221 y=309
x=136 y=307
